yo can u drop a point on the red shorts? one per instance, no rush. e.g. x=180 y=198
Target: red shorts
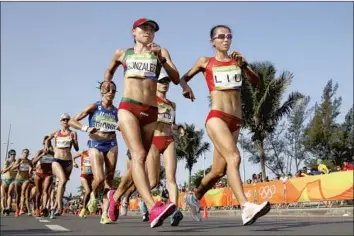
x=233 y=122
x=162 y=142
x=87 y=176
x=146 y=114
x=42 y=176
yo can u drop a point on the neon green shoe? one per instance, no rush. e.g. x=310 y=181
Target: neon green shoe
x=92 y=204
x=105 y=220
x=83 y=213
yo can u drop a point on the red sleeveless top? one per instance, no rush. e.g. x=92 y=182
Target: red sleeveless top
x=221 y=75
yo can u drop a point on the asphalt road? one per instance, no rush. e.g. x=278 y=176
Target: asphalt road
x=132 y=225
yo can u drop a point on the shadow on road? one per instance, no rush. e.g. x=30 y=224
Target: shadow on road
x=261 y=226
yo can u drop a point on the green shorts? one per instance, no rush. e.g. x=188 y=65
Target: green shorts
x=21 y=181
x=8 y=181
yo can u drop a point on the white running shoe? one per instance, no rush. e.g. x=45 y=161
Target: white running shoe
x=124 y=208
x=193 y=206
x=251 y=212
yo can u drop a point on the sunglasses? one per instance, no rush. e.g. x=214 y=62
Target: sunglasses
x=12 y=154
x=65 y=119
x=222 y=36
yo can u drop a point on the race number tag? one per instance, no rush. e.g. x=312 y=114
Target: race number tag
x=141 y=65
x=227 y=77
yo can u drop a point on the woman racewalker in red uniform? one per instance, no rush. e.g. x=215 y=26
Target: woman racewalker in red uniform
x=223 y=74
x=86 y=178
x=62 y=164
x=138 y=109
x=43 y=177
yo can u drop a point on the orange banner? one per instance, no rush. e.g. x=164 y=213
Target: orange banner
x=334 y=186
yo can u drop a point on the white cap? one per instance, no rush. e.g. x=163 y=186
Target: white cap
x=163 y=76
x=65 y=115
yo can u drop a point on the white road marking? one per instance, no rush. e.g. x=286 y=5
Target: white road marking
x=57 y=228
x=44 y=221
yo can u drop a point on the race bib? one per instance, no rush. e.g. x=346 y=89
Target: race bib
x=87 y=162
x=227 y=77
x=106 y=126
x=166 y=113
x=141 y=65
x=63 y=142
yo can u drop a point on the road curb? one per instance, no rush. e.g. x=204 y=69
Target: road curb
x=317 y=212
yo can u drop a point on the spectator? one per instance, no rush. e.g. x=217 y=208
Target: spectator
x=322 y=168
x=347 y=166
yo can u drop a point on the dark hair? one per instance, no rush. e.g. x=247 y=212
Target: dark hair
x=12 y=151
x=26 y=149
x=101 y=83
x=212 y=31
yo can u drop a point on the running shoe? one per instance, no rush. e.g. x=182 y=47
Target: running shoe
x=176 y=217
x=83 y=213
x=105 y=219
x=160 y=212
x=124 y=207
x=113 y=206
x=52 y=215
x=45 y=212
x=251 y=212
x=92 y=204
x=194 y=206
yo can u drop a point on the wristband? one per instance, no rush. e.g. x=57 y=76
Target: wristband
x=84 y=128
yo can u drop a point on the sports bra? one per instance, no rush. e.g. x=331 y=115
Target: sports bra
x=63 y=140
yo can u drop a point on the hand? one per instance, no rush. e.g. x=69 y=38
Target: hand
x=155 y=48
x=241 y=61
x=174 y=127
x=91 y=130
x=188 y=93
x=75 y=165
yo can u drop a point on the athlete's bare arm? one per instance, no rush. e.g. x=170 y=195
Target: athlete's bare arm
x=16 y=165
x=169 y=67
x=47 y=141
x=75 y=121
x=74 y=158
x=116 y=61
x=7 y=167
x=38 y=156
x=199 y=66
x=174 y=126
x=75 y=141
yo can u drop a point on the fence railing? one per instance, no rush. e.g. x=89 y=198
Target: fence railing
x=329 y=187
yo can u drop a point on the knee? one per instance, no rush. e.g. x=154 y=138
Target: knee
x=62 y=181
x=139 y=156
x=234 y=160
x=217 y=173
x=99 y=179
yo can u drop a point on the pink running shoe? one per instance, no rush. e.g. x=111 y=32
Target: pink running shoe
x=160 y=212
x=113 y=206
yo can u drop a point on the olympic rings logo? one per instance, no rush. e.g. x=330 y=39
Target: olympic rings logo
x=267 y=192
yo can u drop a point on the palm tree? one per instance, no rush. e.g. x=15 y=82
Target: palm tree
x=262 y=108
x=190 y=146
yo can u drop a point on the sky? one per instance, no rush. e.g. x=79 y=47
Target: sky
x=53 y=55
